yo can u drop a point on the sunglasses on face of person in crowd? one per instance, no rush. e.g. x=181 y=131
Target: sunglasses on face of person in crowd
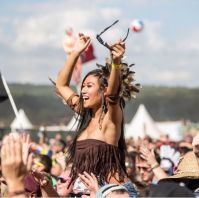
x=143 y=168
x=99 y=38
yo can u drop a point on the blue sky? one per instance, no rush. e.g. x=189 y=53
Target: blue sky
x=165 y=52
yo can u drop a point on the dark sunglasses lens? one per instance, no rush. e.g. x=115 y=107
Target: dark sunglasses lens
x=100 y=39
x=104 y=43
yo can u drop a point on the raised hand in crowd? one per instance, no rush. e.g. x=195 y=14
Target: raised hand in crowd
x=45 y=182
x=13 y=167
x=149 y=156
x=26 y=155
x=90 y=181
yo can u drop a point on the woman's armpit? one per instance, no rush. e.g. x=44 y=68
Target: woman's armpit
x=112 y=99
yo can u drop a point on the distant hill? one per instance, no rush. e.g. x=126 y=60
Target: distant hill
x=42 y=106
x=166 y=103
x=39 y=102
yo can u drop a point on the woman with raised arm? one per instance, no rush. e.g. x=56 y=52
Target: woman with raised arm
x=99 y=145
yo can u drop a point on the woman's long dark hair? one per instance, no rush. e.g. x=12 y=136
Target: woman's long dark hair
x=85 y=115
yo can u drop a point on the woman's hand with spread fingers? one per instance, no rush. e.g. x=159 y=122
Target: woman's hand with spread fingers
x=82 y=43
x=117 y=52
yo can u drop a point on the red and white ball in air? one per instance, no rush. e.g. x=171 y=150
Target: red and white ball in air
x=137 y=25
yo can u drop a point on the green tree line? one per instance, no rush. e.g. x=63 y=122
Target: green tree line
x=43 y=107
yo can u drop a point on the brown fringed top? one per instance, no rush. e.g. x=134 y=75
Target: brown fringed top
x=98 y=157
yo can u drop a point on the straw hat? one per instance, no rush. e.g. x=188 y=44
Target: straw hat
x=188 y=168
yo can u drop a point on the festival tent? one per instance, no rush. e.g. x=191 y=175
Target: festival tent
x=21 y=122
x=71 y=126
x=142 y=125
x=53 y=128
x=73 y=123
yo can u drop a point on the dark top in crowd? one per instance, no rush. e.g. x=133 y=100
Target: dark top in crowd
x=170 y=189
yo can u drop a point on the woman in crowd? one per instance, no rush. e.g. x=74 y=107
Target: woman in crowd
x=99 y=145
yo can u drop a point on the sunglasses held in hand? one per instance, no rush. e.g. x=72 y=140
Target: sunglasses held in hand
x=99 y=38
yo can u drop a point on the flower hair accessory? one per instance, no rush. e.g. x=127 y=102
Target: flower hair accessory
x=128 y=89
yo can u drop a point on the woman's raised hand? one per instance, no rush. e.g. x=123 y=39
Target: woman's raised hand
x=117 y=51
x=82 y=43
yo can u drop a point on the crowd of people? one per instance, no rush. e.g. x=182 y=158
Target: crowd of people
x=97 y=161
x=155 y=168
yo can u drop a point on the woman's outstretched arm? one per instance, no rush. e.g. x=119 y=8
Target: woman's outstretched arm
x=64 y=76
x=117 y=52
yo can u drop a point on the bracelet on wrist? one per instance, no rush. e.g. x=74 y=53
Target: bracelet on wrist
x=155 y=166
x=116 y=66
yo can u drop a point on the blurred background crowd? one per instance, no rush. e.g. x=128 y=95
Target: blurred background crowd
x=149 y=163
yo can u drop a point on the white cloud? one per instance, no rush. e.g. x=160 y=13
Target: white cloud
x=48 y=29
x=45 y=30
x=31 y=39
x=190 y=42
x=155 y=41
x=110 y=13
x=4 y=36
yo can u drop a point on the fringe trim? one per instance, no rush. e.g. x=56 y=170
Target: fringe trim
x=97 y=157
